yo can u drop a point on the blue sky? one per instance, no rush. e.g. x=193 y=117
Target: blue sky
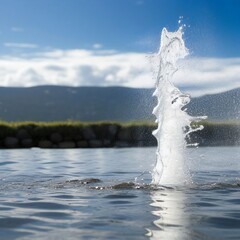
x=126 y=25
x=44 y=27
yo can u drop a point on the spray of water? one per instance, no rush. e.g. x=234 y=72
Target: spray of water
x=174 y=123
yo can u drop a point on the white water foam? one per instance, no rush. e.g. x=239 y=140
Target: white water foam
x=174 y=123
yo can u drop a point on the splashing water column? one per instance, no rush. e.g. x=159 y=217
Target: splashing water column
x=174 y=124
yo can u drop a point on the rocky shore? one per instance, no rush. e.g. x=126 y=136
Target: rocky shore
x=74 y=136
x=99 y=135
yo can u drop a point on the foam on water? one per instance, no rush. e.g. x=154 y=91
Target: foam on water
x=174 y=123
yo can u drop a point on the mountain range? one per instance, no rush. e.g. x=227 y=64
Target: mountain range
x=59 y=103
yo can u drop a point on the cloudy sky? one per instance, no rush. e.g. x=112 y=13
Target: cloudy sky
x=107 y=42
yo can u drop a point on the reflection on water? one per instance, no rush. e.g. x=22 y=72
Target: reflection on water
x=172 y=219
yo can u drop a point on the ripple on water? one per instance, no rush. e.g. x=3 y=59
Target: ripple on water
x=6 y=208
x=221 y=186
x=204 y=204
x=6 y=163
x=113 y=196
x=15 y=222
x=234 y=215
x=63 y=196
x=53 y=215
x=234 y=201
x=38 y=205
x=223 y=222
x=120 y=202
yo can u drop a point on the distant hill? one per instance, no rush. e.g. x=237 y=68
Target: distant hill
x=55 y=103
x=221 y=106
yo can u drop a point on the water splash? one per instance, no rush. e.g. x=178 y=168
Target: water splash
x=174 y=124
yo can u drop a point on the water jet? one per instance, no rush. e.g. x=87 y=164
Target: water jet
x=174 y=123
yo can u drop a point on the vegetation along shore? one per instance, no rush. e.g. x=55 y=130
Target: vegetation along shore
x=74 y=134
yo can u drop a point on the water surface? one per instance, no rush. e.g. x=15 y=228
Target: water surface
x=50 y=194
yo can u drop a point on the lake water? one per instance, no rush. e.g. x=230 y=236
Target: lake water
x=42 y=195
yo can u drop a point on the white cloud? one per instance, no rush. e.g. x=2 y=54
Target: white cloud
x=140 y=2
x=209 y=75
x=79 y=67
x=17 y=29
x=20 y=45
x=97 y=46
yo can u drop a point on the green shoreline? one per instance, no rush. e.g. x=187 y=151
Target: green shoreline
x=76 y=134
